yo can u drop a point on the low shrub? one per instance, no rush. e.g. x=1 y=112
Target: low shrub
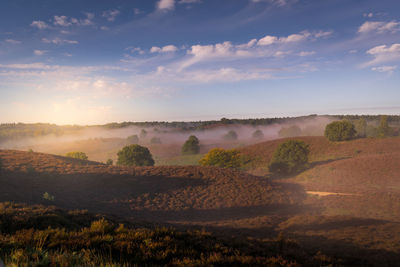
x=77 y=155
x=222 y=158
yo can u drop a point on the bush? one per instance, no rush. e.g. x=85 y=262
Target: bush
x=222 y=158
x=135 y=155
x=77 y=155
x=291 y=131
x=230 y=136
x=133 y=139
x=258 y=134
x=361 y=127
x=48 y=197
x=155 y=140
x=290 y=156
x=109 y=162
x=384 y=130
x=191 y=146
x=340 y=131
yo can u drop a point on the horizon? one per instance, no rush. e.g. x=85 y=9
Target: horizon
x=98 y=62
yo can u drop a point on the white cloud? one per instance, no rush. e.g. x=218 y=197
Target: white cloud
x=166 y=4
x=64 y=21
x=11 y=41
x=137 y=11
x=165 y=49
x=379 y=27
x=58 y=41
x=110 y=15
x=39 y=24
x=276 y=2
x=39 y=52
x=306 y=53
x=369 y=15
x=268 y=40
x=133 y=49
x=189 y=1
x=384 y=54
x=293 y=38
x=386 y=69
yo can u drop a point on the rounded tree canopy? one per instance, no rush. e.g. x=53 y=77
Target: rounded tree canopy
x=289 y=157
x=340 y=131
x=222 y=158
x=191 y=146
x=230 y=136
x=258 y=134
x=135 y=155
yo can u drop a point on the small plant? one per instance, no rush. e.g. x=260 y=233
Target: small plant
x=290 y=156
x=47 y=196
x=191 y=146
x=135 y=155
x=30 y=150
x=77 y=155
x=222 y=158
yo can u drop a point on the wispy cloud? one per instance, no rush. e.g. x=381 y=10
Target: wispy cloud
x=165 y=49
x=58 y=41
x=385 y=69
x=65 y=21
x=110 y=15
x=12 y=41
x=39 y=24
x=383 y=54
x=379 y=27
x=165 y=4
x=39 y=52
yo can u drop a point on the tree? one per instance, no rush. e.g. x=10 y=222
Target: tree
x=340 y=131
x=258 y=134
x=290 y=131
x=290 y=156
x=222 y=158
x=143 y=133
x=133 y=139
x=360 y=126
x=155 y=140
x=77 y=155
x=191 y=146
x=384 y=130
x=230 y=136
x=135 y=155
x=109 y=162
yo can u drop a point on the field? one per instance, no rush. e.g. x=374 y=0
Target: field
x=343 y=209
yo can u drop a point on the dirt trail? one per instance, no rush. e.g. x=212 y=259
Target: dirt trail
x=324 y=194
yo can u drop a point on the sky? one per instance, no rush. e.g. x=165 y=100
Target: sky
x=100 y=61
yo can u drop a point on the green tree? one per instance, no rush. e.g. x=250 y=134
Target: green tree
x=77 y=155
x=222 y=158
x=133 y=139
x=360 y=126
x=135 y=155
x=384 y=130
x=191 y=146
x=290 y=131
x=340 y=131
x=109 y=162
x=290 y=156
x=230 y=136
x=155 y=140
x=258 y=134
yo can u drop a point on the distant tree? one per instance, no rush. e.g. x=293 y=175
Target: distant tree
x=133 y=139
x=143 y=133
x=290 y=156
x=384 y=130
x=77 y=155
x=258 y=134
x=360 y=126
x=340 y=131
x=371 y=131
x=109 y=162
x=155 y=140
x=48 y=197
x=135 y=155
x=230 y=136
x=222 y=158
x=290 y=131
x=191 y=146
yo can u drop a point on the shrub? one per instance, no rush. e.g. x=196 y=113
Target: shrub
x=290 y=131
x=133 y=139
x=361 y=127
x=77 y=155
x=191 y=146
x=109 y=162
x=155 y=140
x=222 y=158
x=258 y=134
x=290 y=156
x=340 y=131
x=230 y=136
x=48 y=197
x=384 y=130
x=135 y=155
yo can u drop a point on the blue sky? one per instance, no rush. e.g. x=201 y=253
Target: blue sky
x=98 y=61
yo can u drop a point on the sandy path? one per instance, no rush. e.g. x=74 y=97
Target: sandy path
x=324 y=194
